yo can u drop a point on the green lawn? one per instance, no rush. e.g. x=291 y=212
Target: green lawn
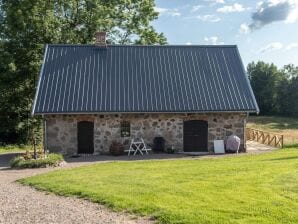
x=260 y=188
x=286 y=126
x=14 y=148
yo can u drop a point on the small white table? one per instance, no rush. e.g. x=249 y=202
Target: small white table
x=219 y=147
x=137 y=145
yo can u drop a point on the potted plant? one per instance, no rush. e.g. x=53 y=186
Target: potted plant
x=116 y=148
x=170 y=150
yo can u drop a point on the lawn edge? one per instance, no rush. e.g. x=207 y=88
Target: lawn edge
x=108 y=205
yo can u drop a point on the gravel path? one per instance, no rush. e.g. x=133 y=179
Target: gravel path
x=22 y=204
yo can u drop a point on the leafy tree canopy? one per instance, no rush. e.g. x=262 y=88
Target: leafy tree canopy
x=26 y=25
x=276 y=90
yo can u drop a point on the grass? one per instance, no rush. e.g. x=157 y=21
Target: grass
x=21 y=162
x=281 y=125
x=14 y=148
x=259 y=188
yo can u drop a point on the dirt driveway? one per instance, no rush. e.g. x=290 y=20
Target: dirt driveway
x=22 y=204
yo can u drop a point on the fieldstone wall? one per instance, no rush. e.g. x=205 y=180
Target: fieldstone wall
x=61 y=130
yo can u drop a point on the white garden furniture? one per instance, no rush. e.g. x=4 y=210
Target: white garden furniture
x=137 y=145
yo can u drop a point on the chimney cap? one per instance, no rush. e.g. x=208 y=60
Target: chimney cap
x=99 y=32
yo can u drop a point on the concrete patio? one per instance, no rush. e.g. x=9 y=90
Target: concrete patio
x=253 y=146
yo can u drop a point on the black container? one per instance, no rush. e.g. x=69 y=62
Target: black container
x=159 y=144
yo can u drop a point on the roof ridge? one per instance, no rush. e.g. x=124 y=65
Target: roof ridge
x=137 y=45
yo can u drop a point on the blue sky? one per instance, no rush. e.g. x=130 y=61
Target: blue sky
x=263 y=30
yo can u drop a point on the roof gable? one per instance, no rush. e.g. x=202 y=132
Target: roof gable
x=129 y=78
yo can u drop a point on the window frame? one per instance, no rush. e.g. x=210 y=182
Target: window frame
x=125 y=127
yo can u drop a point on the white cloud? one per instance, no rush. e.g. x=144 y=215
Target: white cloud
x=276 y=2
x=167 y=11
x=216 y=1
x=175 y=14
x=196 y=8
x=271 y=47
x=244 y=28
x=188 y=43
x=291 y=46
x=160 y=10
x=293 y=15
x=272 y=11
x=214 y=40
x=209 y=18
x=278 y=46
x=236 y=7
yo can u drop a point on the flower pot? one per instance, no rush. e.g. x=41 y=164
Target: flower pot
x=116 y=149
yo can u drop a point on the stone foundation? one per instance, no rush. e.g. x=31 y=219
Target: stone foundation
x=61 y=130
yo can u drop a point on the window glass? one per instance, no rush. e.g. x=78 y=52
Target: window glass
x=125 y=129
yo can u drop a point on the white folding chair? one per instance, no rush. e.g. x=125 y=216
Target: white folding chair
x=144 y=148
x=130 y=149
x=137 y=146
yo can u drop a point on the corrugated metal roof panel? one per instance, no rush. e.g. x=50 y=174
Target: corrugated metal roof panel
x=128 y=78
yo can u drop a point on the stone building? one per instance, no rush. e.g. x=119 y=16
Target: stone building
x=92 y=95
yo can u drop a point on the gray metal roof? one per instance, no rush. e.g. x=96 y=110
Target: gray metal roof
x=130 y=78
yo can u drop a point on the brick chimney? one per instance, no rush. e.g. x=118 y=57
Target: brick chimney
x=100 y=38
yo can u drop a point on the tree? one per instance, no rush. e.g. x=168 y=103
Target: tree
x=291 y=71
x=26 y=25
x=293 y=97
x=264 y=79
x=288 y=91
x=276 y=90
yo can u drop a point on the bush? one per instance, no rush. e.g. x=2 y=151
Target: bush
x=42 y=161
x=170 y=150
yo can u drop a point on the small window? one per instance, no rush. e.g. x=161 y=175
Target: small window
x=125 y=129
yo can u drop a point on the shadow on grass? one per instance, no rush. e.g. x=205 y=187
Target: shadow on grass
x=283 y=158
x=291 y=146
x=124 y=157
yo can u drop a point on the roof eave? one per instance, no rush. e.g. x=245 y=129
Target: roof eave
x=257 y=109
x=39 y=80
x=144 y=112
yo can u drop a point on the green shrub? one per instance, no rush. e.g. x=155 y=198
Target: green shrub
x=170 y=150
x=27 y=161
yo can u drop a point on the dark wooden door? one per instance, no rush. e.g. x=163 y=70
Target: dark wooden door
x=195 y=137
x=85 y=137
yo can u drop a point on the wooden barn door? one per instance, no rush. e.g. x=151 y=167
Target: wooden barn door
x=195 y=136
x=85 y=137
